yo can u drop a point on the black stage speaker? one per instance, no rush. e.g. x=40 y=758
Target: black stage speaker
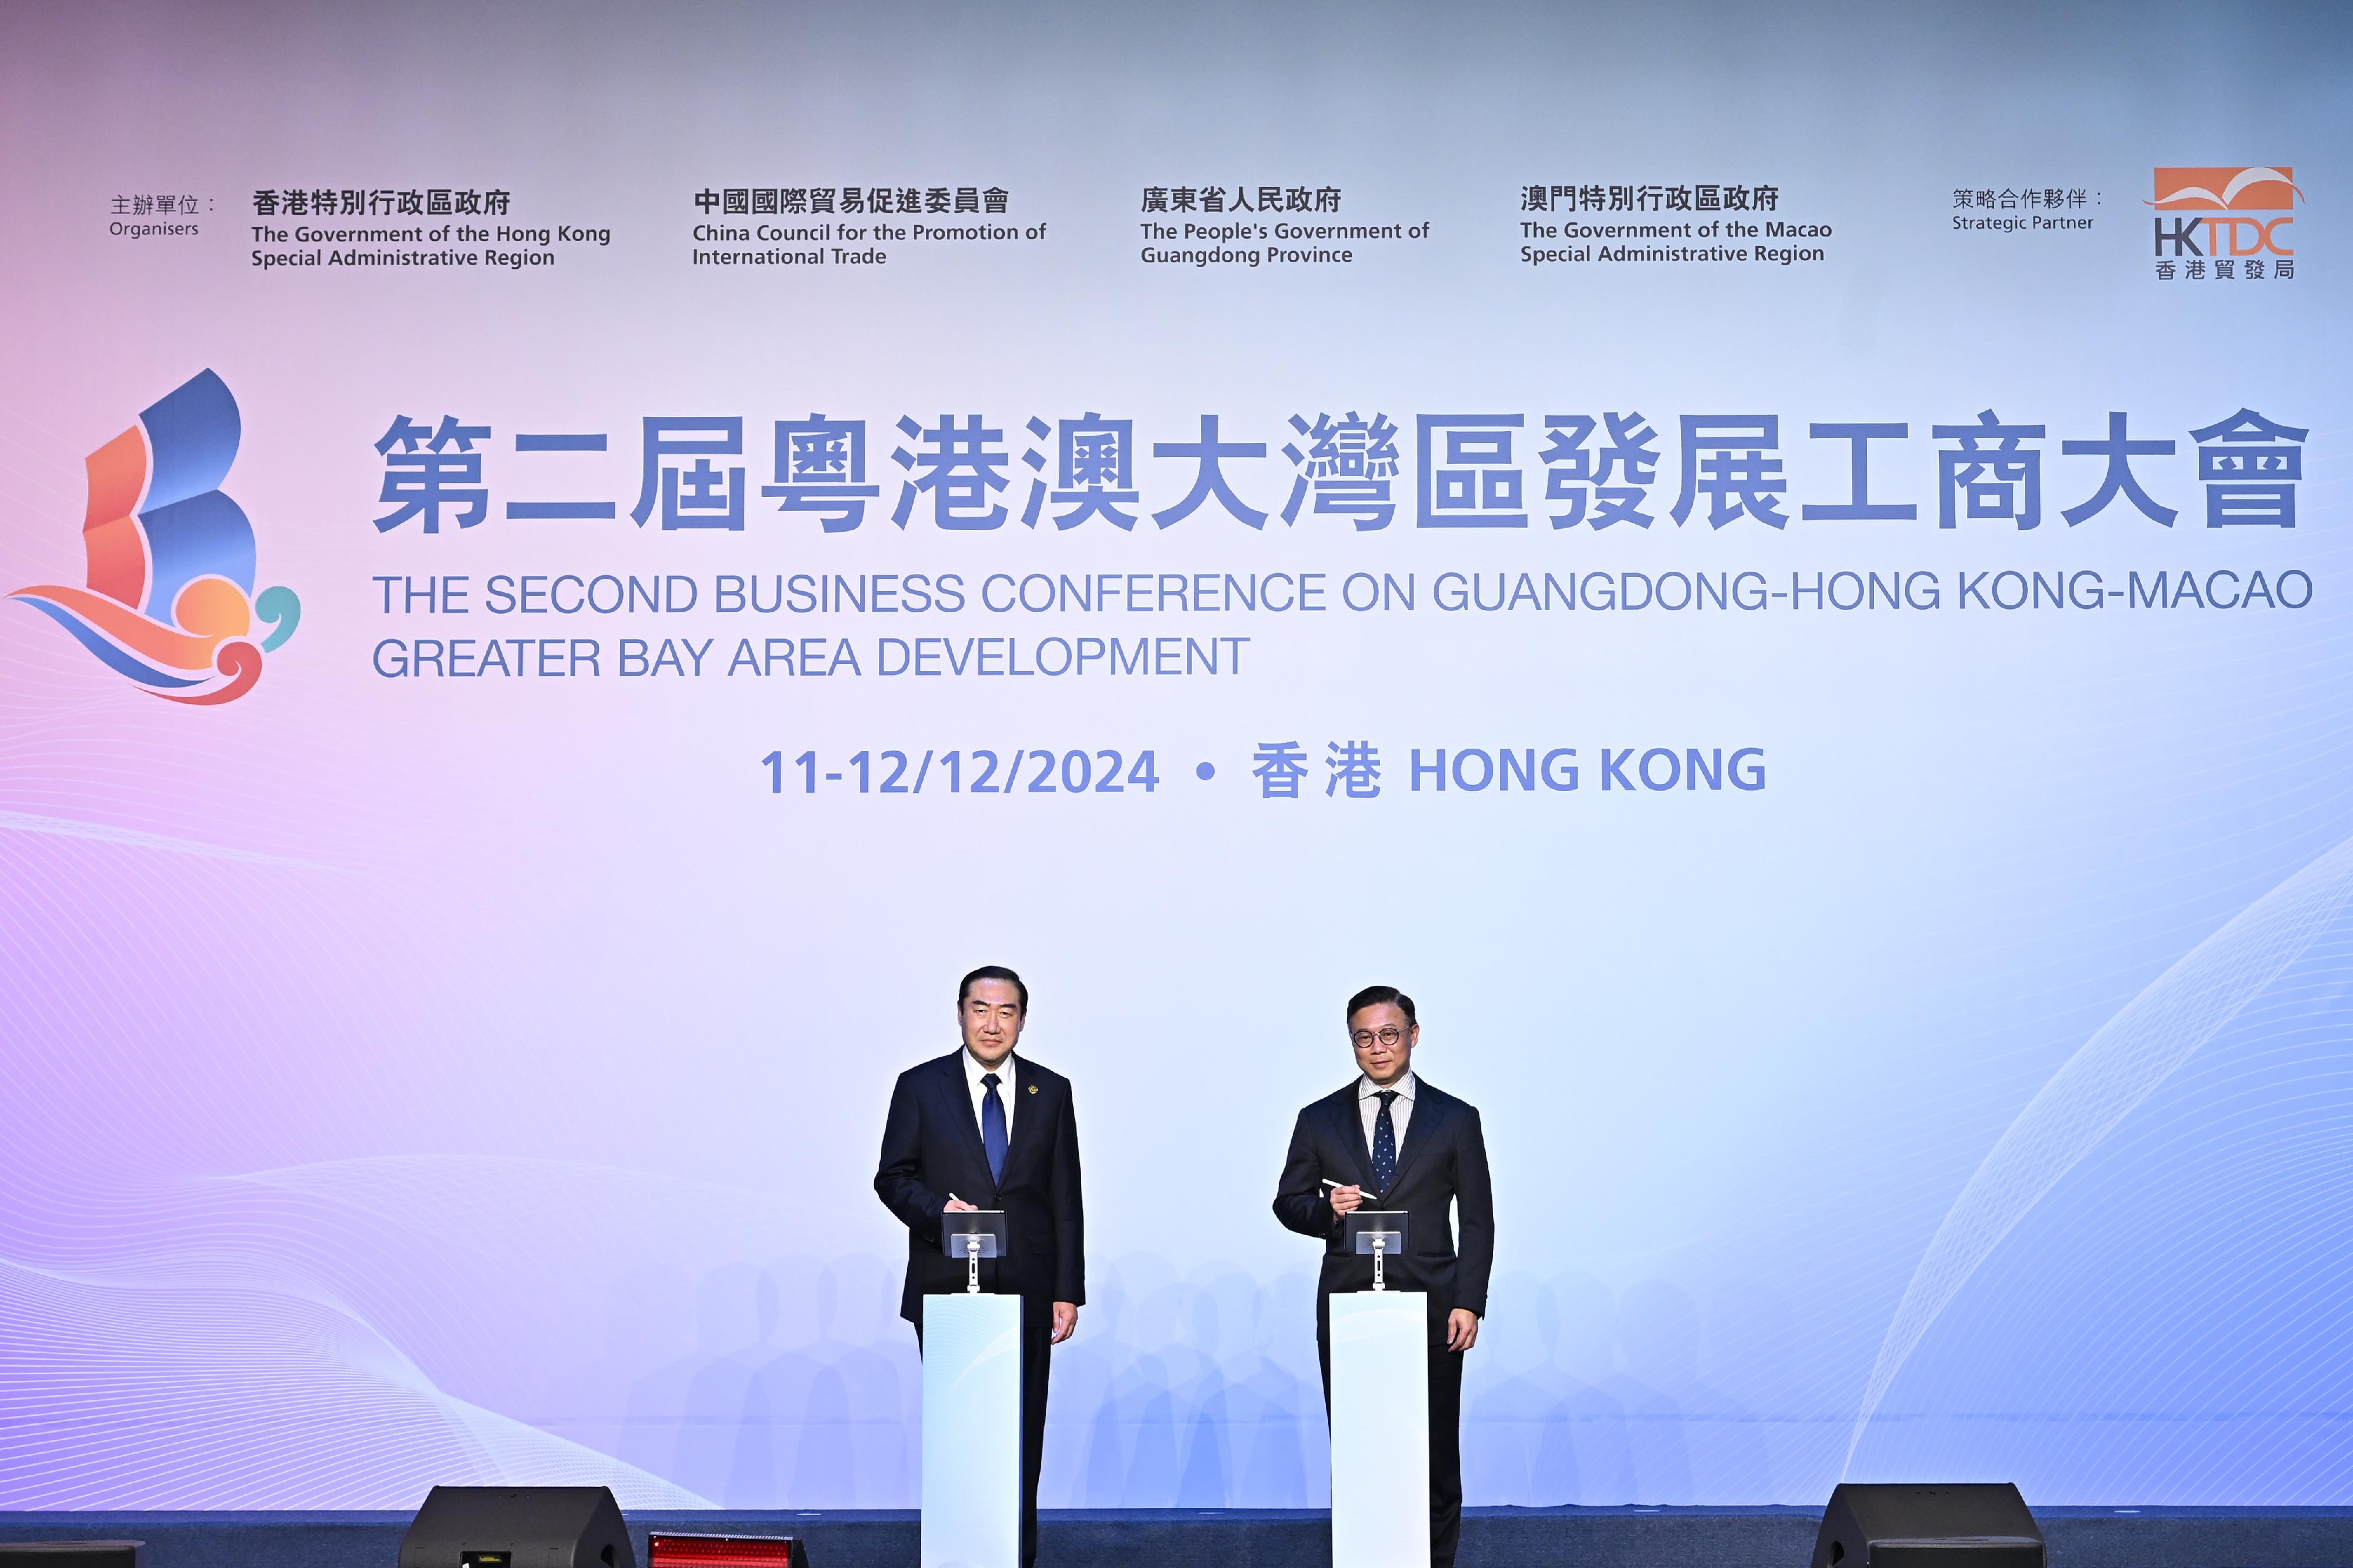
x=70 y=1553
x=1961 y=1526
x=517 y=1527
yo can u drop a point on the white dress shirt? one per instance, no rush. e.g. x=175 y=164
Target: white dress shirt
x=972 y=1072
x=1368 y=1102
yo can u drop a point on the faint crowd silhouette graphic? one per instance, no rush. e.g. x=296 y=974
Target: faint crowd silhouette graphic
x=800 y=1387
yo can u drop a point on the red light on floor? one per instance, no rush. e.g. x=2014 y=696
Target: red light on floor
x=724 y=1552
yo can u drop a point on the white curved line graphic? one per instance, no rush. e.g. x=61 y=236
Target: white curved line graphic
x=2239 y=181
x=105 y=833
x=2245 y=177
x=93 y=1365
x=2111 y=1073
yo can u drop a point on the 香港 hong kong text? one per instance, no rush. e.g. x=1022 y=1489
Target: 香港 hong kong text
x=1352 y=770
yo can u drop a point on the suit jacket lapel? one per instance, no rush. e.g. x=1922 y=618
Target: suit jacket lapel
x=1025 y=1117
x=1428 y=1111
x=1348 y=1123
x=958 y=1088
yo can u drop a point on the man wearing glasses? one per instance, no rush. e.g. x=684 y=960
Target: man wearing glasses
x=1390 y=1140
x=976 y=1130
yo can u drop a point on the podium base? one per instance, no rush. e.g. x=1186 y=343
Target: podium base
x=972 y=1432
x=1380 y=1429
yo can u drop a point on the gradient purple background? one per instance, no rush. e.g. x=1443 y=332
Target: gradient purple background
x=416 y=1082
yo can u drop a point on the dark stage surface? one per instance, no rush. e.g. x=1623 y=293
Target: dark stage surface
x=1138 y=1537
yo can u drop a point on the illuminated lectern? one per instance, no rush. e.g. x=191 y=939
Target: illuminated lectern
x=972 y=1409
x=1380 y=1409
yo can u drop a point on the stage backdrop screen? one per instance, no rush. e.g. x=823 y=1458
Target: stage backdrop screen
x=1782 y=570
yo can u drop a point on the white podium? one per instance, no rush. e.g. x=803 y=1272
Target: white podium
x=972 y=1432
x=1380 y=1429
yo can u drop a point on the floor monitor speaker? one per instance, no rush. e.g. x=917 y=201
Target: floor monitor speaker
x=70 y=1553
x=1963 y=1525
x=517 y=1527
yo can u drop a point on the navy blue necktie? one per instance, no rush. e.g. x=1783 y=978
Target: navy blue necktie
x=992 y=1129
x=1384 y=1143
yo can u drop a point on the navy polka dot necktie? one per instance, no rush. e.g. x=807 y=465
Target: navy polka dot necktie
x=1384 y=1143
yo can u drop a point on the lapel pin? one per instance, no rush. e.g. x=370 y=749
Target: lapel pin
x=1033 y=1089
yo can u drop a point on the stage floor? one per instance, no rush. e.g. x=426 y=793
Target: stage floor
x=1239 y=1537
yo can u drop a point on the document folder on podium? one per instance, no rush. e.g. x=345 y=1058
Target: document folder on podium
x=1380 y=1411
x=972 y=1411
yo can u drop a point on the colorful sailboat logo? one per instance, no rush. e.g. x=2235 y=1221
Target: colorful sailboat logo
x=170 y=602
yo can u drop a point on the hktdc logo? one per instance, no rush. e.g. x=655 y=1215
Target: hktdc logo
x=2226 y=212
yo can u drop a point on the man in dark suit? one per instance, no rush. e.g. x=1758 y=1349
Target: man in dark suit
x=1390 y=1140
x=976 y=1130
